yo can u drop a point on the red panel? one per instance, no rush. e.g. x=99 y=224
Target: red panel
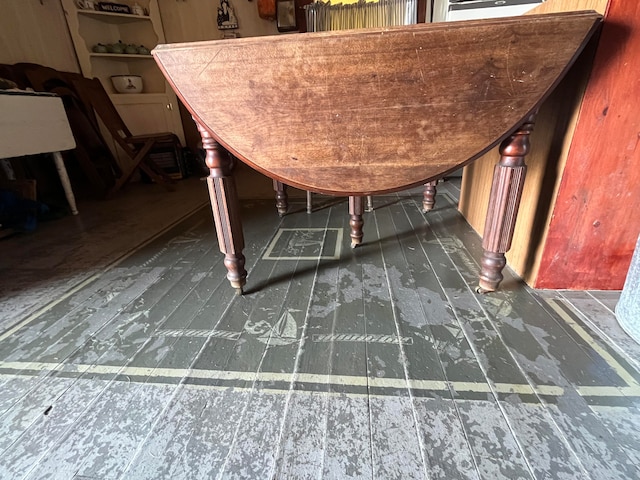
x=596 y=219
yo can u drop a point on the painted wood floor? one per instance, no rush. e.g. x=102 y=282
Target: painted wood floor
x=125 y=354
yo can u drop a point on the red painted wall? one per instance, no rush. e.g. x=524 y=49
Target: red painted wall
x=596 y=219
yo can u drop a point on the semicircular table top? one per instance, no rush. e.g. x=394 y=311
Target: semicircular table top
x=374 y=110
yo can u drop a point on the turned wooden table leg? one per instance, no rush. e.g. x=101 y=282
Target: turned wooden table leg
x=226 y=210
x=429 y=196
x=508 y=181
x=356 y=210
x=369 y=203
x=282 y=199
x=309 y=202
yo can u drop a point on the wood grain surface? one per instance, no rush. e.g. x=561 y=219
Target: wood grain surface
x=371 y=111
x=551 y=141
x=598 y=201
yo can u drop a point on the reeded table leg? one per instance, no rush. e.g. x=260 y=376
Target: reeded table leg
x=508 y=180
x=356 y=210
x=282 y=199
x=429 y=196
x=226 y=210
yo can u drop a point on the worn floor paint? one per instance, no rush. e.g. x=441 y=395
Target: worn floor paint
x=379 y=363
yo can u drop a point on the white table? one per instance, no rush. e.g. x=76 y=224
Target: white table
x=33 y=123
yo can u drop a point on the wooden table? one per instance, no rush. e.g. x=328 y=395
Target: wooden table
x=33 y=123
x=362 y=112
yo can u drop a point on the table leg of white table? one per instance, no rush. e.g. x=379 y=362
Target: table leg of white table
x=66 y=184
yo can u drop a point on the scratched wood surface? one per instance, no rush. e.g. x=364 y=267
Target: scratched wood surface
x=389 y=107
x=374 y=363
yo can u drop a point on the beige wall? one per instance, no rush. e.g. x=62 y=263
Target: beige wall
x=195 y=20
x=35 y=31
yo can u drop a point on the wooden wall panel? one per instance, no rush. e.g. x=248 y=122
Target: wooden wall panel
x=596 y=220
x=550 y=140
x=36 y=32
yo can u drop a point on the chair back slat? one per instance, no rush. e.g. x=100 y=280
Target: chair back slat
x=93 y=93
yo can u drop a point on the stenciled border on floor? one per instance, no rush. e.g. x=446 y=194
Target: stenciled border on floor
x=303 y=239
x=282 y=382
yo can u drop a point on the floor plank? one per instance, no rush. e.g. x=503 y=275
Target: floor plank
x=140 y=362
x=62 y=254
x=588 y=305
x=567 y=368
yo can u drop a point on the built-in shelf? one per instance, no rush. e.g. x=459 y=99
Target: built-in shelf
x=117 y=17
x=153 y=110
x=121 y=56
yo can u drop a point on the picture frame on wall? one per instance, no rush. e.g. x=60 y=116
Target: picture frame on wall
x=226 y=16
x=286 y=15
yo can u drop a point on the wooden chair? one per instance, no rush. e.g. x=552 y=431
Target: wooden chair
x=136 y=147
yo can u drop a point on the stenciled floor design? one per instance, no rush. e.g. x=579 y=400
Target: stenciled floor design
x=378 y=362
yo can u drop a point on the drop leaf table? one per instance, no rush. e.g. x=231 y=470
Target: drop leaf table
x=363 y=112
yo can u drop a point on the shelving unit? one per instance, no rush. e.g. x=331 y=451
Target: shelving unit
x=156 y=108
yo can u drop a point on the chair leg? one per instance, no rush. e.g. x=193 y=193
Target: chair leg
x=163 y=179
x=139 y=162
